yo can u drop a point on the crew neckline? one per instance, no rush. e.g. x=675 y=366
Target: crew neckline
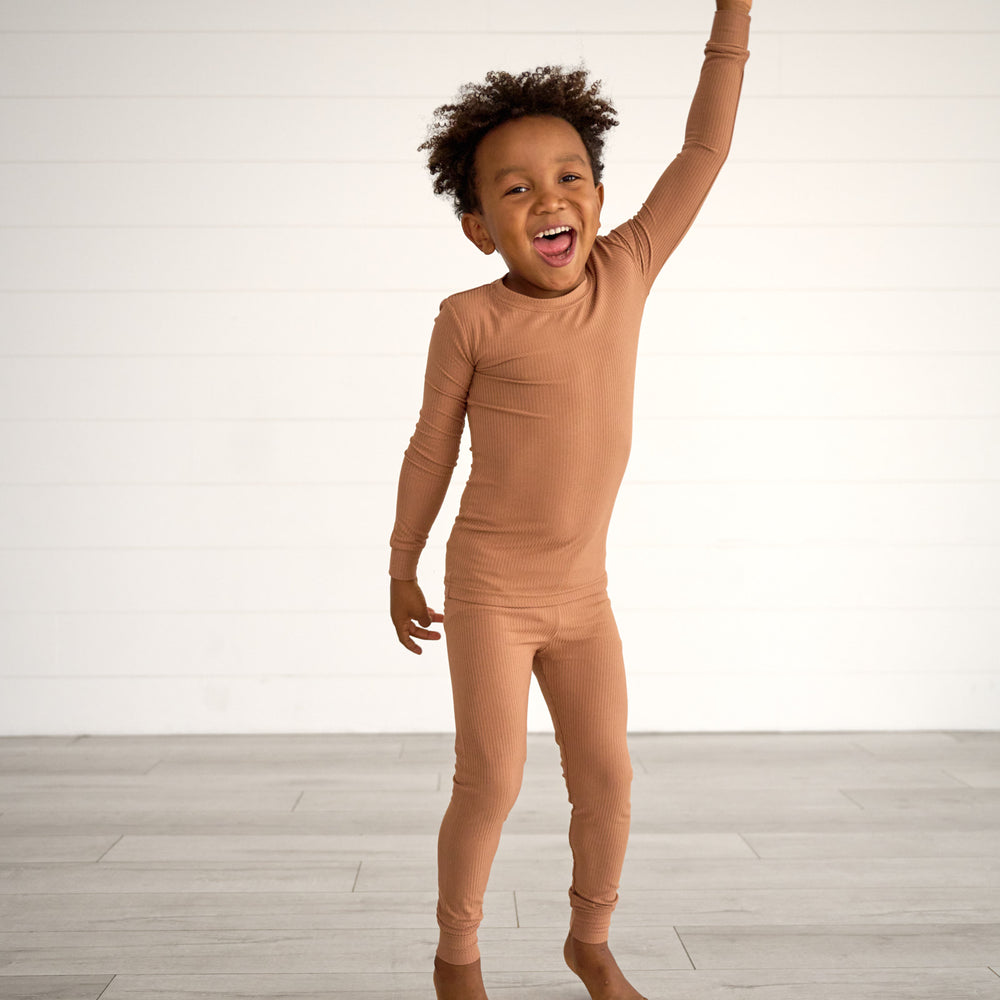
x=519 y=301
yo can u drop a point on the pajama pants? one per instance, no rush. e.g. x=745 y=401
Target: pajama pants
x=575 y=653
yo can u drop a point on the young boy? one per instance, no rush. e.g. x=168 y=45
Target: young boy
x=542 y=362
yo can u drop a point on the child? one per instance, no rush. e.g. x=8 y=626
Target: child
x=542 y=361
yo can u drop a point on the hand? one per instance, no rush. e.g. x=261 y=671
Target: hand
x=406 y=606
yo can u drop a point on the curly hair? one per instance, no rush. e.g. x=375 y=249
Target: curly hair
x=457 y=129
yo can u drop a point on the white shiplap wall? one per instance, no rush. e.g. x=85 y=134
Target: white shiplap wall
x=219 y=265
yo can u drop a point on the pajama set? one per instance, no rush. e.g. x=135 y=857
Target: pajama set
x=546 y=385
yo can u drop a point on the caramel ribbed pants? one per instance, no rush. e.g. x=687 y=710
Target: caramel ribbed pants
x=575 y=653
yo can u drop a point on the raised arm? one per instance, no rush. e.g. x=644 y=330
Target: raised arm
x=679 y=193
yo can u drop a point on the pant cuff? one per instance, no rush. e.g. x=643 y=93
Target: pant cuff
x=457 y=950
x=588 y=933
x=589 y=922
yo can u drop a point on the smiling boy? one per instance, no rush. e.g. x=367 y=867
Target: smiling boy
x=542 y=364
x=539 y=205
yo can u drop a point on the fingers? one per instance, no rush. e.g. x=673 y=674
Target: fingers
x=403 y=634
x=409 y=632
x=409 y=643
x=427 y=616
x=422 y=633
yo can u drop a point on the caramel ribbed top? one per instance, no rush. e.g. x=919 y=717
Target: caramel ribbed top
x=547 y=386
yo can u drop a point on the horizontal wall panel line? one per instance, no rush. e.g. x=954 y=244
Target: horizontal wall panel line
x=502 y=32
x=428 y=99
x=631 y=671
x=390 y=483
x=339 y=290
x=654 y=97
x=733 y=161
x=726 y=545
x=389 y=486
x=134 y=355
x=621 y=607
x=878 y=291
x=443 y=97
x=444 y=290
x=692 y=417
x=698 y=418
x=450 y=226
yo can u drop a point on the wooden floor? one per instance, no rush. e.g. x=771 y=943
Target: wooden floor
x=771 y=867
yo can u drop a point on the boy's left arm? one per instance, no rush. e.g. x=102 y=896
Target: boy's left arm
x=677 y=196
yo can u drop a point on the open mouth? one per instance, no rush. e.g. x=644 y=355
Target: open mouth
x=556 y=246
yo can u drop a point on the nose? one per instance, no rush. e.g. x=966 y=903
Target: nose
x=549 y=199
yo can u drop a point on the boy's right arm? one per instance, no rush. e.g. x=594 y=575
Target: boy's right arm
x=428 y=463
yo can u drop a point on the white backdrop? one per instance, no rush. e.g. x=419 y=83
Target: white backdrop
x=220 y=262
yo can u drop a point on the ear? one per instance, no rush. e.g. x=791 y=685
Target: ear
x=476 y=231
x=600 y=200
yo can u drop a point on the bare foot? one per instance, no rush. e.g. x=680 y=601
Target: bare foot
x=459 y=982
x=596 y=966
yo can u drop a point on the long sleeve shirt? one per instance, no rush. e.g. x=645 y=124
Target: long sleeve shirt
x=547 y=387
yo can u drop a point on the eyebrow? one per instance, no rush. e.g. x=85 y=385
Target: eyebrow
x=568 y=158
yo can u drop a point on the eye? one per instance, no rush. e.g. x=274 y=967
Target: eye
x=517 y=189
x=570 y=177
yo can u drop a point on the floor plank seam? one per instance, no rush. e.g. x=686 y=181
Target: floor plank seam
x=747 y=842
x=118 y=840
x=106 y=987
x=954 y=777
x=854 y=802
x=684 y=946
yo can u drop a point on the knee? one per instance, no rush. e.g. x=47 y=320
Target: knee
x=493 y=785
x=617 y=782
x=607 y=778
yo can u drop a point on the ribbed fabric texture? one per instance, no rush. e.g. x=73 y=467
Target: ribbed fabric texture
x=575 y=652
x=547 y=386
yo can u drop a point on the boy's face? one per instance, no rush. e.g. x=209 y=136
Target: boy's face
x=533 y=176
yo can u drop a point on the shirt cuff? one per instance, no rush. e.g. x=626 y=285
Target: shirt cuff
x=403 y=564
x=731 y=28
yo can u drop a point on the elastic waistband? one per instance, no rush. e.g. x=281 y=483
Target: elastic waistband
x=598 y=588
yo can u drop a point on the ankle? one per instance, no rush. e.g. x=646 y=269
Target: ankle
x=587 y=949
x=458 y=982
x=597 y=968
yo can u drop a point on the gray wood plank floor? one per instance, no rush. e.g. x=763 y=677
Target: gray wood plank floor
x=848 y=866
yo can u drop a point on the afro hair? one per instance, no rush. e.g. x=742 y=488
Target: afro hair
x=457 y=129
